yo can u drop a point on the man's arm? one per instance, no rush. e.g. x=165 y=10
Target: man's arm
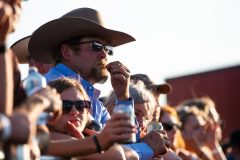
x=6 y=84
x=9 y=13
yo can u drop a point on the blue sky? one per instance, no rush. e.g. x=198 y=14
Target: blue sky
x=174 y=37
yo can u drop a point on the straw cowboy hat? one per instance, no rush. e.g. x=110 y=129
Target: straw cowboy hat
x=158 y=88
x=20 y=49
x=76 y=23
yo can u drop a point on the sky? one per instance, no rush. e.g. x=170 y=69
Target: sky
x=173 y=37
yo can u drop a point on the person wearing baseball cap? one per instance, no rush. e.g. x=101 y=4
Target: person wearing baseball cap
x=156 y=89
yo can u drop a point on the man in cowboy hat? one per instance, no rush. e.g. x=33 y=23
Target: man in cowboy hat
x=79 y=45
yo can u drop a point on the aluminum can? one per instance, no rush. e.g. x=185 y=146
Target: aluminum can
x=152 y=126
x=127 y=109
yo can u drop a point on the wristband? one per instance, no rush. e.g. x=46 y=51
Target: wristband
x=99 y=149
x=6 y=127
x=2 y=48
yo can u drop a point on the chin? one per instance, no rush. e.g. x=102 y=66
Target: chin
x=103 y=79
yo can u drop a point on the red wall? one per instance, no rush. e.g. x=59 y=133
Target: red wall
x=223 y=86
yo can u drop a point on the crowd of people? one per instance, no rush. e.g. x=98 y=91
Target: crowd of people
x=72 y=53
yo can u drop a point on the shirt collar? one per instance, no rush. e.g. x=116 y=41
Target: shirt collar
x=68 y=72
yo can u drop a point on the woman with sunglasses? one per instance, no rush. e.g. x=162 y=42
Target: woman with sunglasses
x=76 y=111
x=171 y=124
x=75 y=106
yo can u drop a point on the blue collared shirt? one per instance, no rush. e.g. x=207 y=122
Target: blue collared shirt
x=99 y=112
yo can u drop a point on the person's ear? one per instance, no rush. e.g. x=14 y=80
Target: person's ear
x=66 y=52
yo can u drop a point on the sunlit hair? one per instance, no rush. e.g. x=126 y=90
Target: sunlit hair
x=63 y=84
x=138 y=92
x=170 y=110
x=187 y=111
x=166 y=109
x=206 y=104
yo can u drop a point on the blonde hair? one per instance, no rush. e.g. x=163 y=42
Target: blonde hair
x=172 y=111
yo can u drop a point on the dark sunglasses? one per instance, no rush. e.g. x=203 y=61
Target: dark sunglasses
x=170 y=126
x=82 y=106
x=98 y=47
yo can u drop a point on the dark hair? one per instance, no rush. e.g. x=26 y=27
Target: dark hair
x=72 y=43
x=235 y=138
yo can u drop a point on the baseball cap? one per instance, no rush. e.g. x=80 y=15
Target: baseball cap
x=159 y=88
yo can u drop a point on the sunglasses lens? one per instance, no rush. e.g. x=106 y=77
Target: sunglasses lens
x=109 y=50
x=96 y=46
x=81 y=106
x=67 y=106
x=167 y=127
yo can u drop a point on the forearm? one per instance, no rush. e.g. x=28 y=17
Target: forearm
x=6 y=84
x=116 y=152
x=32 y=107
x=72 y=147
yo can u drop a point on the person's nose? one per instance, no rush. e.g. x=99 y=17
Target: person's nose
x=102 y=54
x=74 y=111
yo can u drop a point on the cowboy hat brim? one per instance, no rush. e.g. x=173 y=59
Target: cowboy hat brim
x=20 y=49
x=47 y=38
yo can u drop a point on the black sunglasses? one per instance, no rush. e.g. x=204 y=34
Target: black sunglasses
x=98 y=47
x=82 y=106
x=170 y=126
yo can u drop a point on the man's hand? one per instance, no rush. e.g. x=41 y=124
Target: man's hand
x=158 y=141
x=120 y=79
x=117 y=129
x=47 y=99
x=53 y=102
x=9 y=14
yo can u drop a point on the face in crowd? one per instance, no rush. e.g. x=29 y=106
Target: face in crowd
x=76 y=105
x=171 y=124
x=194 y=124
x=143 y=114
x=88 y=56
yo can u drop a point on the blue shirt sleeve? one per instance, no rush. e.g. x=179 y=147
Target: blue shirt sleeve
x=143 y=150
x=130 y=101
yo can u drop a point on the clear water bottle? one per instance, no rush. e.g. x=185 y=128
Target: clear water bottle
x=127 y=109
x=34 y=81
x=31 y=84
